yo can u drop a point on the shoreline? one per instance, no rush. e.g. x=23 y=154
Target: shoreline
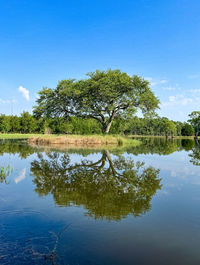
x=162 y=136
x=82 y=140
x=89 y=139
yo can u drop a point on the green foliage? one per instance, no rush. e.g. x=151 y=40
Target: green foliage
x=169 y=128
x=187 y=130
x=102 y=96
x=147 y=126
x=4 y=123
x=195 y=121
x=179 y=126
x=15 y=125
x=124 y=124
x=28 y=123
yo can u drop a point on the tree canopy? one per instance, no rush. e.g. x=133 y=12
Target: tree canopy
x=102 y=96
x=195 y=121
x=187 y=130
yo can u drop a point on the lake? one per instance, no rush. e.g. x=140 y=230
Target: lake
x=135 y=205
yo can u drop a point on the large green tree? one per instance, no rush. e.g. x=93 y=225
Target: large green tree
x=102 y=96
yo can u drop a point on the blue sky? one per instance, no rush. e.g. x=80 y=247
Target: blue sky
x=43 y=41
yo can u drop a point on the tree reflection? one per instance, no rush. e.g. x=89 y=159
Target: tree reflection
x=19 y=147
x=107 y=188
x=195 y=154
x=161 y=146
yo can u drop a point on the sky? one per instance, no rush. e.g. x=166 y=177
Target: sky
x=42 y=42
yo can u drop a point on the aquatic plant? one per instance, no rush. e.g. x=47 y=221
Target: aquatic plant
x=4 y=172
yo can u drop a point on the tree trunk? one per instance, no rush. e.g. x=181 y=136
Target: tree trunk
x=106 y=127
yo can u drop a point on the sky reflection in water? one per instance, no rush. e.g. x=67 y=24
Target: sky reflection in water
x=135 y=206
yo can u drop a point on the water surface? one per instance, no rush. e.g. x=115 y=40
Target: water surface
x=126 y=206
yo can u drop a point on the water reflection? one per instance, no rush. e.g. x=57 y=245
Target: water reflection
x=162 y=146
x=19 y=147
x=21 y=176
x=149 y=145
x=195 y=154
x=107 y=188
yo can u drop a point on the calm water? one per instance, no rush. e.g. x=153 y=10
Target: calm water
x=128 y=206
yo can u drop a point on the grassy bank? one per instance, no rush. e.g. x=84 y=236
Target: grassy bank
x=161 y=136
x=82 y=140
x=106 y=138
x=17 y=135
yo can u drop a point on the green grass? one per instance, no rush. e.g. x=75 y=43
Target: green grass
x=161 y=136
x=17 y=135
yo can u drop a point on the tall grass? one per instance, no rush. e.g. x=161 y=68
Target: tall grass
x=4 y=172
x=83 y=140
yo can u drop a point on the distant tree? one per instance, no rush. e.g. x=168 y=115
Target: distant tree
x=169 y=128
x=66 y=127
x=41 y=125
x=4 y=123
x=195 y=121
x=179 y=126
x=187 y=130
x=103 y=96
x=15 y=124
x=28 y=123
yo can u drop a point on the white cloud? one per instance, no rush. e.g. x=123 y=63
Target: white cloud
x=155 y=82
x=194 y=90
x=2 y=101
x=163 y=81
x=148 y=78
x=21 y=176
x=171 y=88
x=24 y=92
x=194 y=76
x=172 y=98
x=179 y=100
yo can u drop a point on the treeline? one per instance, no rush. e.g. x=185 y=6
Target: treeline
x=157 y=126
x=27 y=123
